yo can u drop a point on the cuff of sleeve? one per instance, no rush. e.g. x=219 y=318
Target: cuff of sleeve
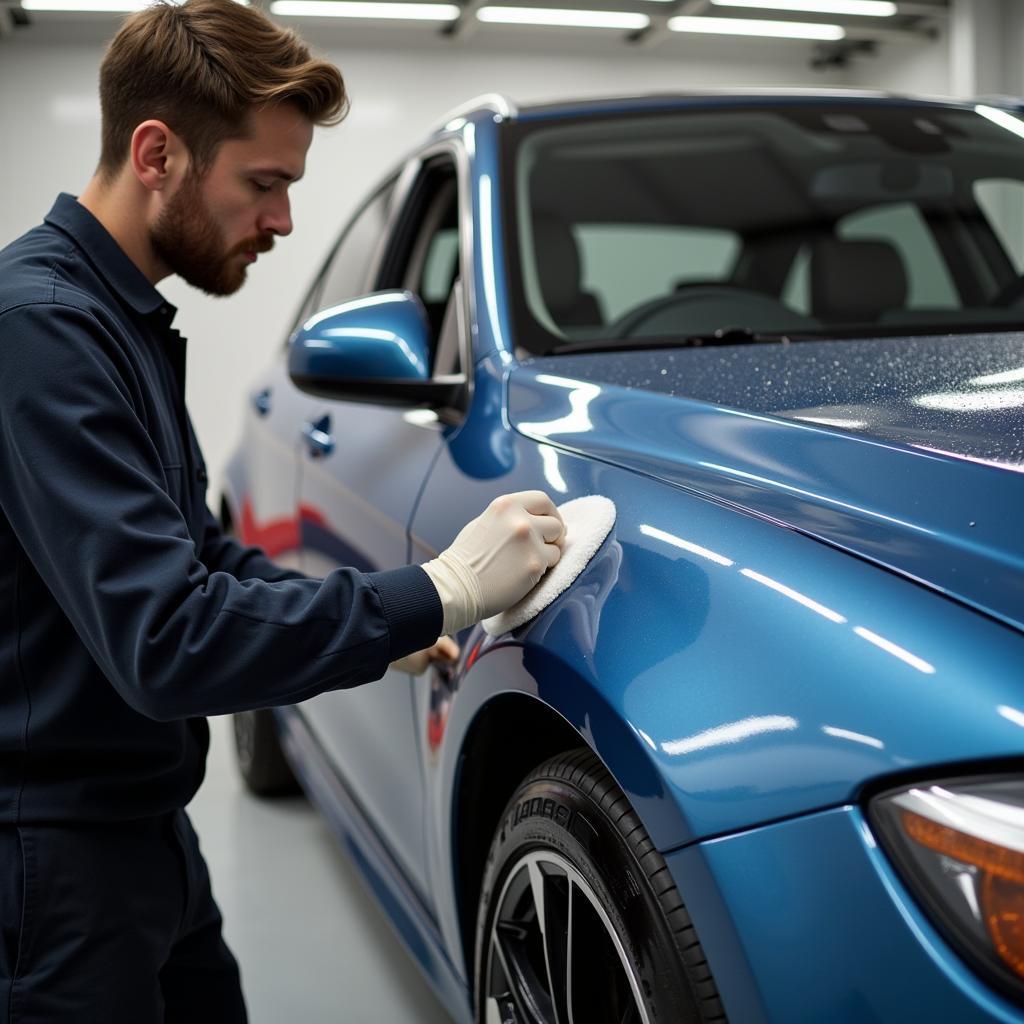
x=412 y=607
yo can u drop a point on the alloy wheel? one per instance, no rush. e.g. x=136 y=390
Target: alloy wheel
x=553 y=955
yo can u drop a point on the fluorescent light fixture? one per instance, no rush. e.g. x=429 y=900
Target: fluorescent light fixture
x=753 y=27
x=358 y=9
x=97 y=6
x=1000 y=117
x=863 y=8
x=553 y=16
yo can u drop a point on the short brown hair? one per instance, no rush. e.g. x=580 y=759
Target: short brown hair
x=202 y=67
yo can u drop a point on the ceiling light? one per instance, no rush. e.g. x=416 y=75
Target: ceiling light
x=358 y=9
x=97 y=6
x=865 y=8
x=552 y=16
x=751 y=27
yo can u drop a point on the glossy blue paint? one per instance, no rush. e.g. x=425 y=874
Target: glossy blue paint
x=383 y=336
x=822 y=930
x=927 y=514
x=786 y=612
x=959 y=394
x=733 y=654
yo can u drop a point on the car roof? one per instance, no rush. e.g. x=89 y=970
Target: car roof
x=508 y=109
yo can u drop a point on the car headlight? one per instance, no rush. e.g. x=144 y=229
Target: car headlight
x=960 y=847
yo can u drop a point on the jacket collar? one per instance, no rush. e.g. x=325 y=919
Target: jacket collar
x=108 y=257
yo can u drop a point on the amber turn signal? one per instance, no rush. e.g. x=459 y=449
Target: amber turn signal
x=1002 y=881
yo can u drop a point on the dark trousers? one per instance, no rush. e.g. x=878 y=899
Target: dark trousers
x=111 y=923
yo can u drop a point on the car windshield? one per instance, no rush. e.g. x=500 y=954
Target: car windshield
x=743 y=223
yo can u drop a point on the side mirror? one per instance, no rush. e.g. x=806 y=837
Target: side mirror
x=374 y=349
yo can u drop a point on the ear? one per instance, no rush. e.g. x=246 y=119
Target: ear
x=158 y=156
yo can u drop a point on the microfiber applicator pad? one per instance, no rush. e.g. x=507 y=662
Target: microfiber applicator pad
x=588 y=521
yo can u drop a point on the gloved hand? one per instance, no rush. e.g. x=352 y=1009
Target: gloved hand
x=446 y=649
x=497 y=558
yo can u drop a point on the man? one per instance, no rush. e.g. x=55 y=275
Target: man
x=125 y=614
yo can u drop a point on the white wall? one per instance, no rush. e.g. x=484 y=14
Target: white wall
x=401 y=83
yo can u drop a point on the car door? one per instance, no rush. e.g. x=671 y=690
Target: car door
x=362 y=471
x=267 y=514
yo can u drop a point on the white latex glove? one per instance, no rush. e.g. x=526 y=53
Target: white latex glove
x=446 y=649
x=497 y=558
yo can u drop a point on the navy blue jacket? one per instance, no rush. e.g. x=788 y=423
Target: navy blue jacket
x=125 y=613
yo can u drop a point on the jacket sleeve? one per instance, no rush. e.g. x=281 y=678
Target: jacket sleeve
x=222 y=553
x=82 y=486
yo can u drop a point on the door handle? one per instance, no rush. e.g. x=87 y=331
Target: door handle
x=318 y=437
x=261 y=401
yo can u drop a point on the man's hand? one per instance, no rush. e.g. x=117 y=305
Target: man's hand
x=446 y=649
x=497 y=558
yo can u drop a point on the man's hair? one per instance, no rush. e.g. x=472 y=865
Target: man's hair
x=201 y=67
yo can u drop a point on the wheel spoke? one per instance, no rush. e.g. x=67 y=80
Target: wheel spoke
x=551 y=890
x=570 y=926
x=522 y=995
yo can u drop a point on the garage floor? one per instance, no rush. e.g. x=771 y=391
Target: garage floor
x=312 y=945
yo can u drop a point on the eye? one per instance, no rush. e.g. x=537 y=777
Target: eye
x=260 y=187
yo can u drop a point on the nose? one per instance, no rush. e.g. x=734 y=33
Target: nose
x=277 y=217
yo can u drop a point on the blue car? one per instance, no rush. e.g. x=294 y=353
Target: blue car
x=762 y=760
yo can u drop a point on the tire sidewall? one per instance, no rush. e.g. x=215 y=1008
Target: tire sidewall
x=552 y=814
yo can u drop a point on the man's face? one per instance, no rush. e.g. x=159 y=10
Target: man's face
x=212 y=227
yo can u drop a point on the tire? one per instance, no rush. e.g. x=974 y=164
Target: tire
x=579 y=919
x=261 y=762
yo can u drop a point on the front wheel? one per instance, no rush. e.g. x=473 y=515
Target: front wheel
x=579 y=918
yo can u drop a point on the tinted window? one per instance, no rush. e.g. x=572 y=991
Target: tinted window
x=661 y=258
x=347 y=273
x=799 y=219
x=440 y=265
x=929 y=284
x=1002 y=201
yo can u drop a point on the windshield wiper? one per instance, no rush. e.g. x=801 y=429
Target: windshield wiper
x=721 y=336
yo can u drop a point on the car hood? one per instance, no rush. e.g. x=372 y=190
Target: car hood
x=905 y=451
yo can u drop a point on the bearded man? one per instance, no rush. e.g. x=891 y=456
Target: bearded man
x=126 y=616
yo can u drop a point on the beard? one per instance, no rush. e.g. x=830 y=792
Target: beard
x=190 y=242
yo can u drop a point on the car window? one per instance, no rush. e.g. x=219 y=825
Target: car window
x=662 y=258
x=440 y=265
x=796 y=219
x=424 y=257
x=929 y=284
x=1002 y=202
x=347 y=272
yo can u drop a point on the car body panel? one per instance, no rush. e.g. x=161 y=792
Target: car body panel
x=261 y=485
x=355 y=510
x=411 y=918
x=958 y=393
x=781 y=936
x=934 y=517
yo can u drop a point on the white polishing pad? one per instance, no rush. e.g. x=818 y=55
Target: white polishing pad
x=588 y=521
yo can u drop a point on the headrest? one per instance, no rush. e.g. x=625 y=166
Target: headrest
x=856 y=281
x=558 y=262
